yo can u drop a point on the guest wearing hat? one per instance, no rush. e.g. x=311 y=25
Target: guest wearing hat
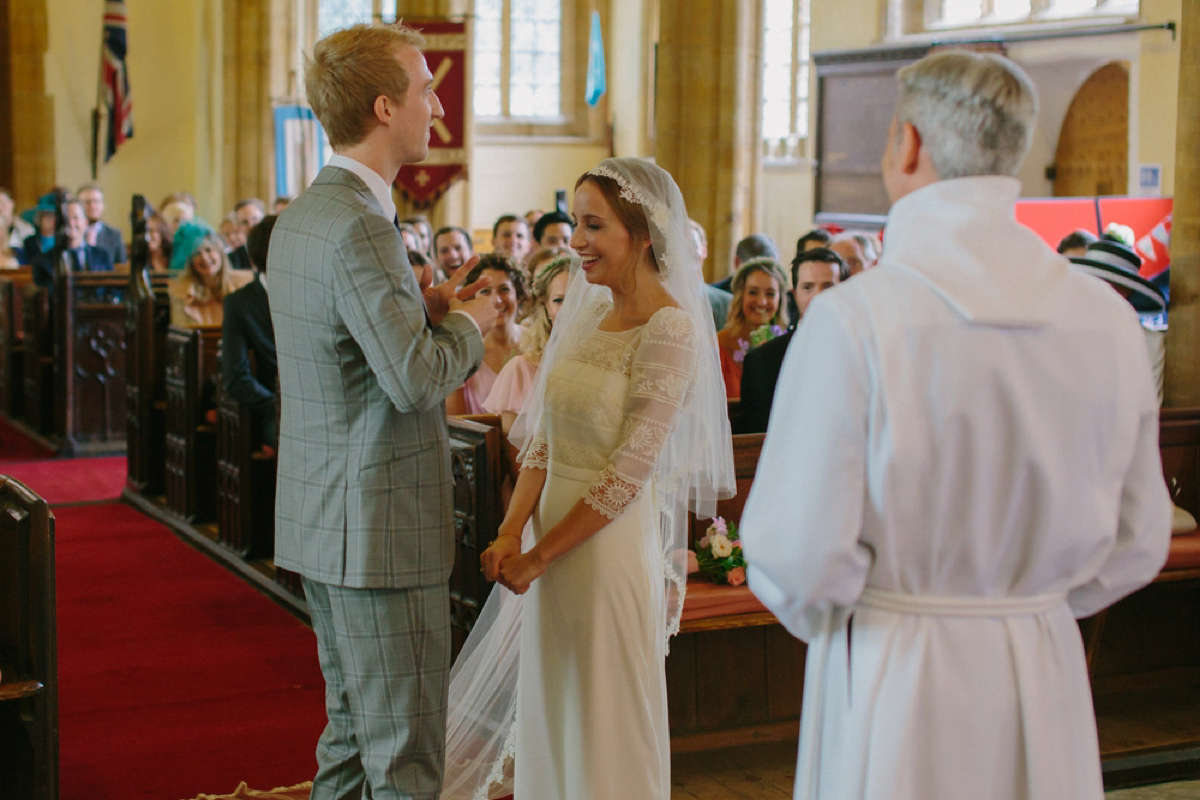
x=1118 y=265
x=204 y=276
x=41 y=241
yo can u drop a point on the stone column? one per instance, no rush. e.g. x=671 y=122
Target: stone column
x=27 y=164
x=1182 y=381
x=249 y=134
x=708 y=118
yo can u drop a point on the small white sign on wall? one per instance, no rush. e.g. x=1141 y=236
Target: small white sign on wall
x=1149 y=180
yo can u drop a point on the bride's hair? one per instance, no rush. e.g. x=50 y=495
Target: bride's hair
x=629 y=213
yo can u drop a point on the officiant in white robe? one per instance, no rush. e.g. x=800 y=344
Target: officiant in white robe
x=962 y=459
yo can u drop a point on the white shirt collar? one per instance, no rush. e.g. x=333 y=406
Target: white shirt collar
x=371 y=178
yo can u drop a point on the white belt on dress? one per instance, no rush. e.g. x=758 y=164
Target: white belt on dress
x=933 y=606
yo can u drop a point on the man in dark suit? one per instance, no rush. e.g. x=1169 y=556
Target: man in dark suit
x=246 y=329
x=98 y=234
x=367 y=356
x=247 y=213
x=813 y=271
x=72 y=253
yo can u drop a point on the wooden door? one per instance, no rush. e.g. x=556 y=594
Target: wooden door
x=1093 y=147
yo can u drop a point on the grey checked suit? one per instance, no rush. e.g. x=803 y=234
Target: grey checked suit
x=363 y=506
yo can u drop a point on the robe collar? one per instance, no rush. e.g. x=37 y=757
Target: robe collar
x=962 y=238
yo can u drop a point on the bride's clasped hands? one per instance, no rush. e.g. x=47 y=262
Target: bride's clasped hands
x=504 y=563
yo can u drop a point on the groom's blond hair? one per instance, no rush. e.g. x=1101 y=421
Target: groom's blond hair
x=348 y=70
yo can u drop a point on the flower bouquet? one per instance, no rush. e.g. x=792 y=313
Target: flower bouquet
x=719 y=554
x=760 y=335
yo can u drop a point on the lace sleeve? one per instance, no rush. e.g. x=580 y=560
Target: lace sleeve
x=660 y=382
x=536 y=454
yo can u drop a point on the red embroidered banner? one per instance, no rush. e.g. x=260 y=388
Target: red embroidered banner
x=446 y=53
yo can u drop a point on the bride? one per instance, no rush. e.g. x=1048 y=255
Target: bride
x=560 y=690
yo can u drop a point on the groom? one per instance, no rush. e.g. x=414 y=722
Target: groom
x=366 y=358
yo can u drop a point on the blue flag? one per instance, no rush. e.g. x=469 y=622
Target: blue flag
x=596 y=82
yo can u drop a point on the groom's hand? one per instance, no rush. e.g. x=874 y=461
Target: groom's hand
x=445 y=297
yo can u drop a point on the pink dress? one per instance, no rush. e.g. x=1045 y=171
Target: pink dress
x=479 y=386
x=511 y=386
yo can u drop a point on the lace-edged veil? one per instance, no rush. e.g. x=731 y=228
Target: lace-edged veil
x=694 y=471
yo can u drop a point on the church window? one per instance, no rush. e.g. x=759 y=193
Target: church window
x=335 y=14
x=943 y=14
x=785 y=78
x=518 y=59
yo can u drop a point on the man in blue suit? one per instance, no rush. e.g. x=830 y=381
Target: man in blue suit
x=72 y=253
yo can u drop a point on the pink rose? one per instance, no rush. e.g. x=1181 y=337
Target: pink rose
x=692 y=564
x=736 y=576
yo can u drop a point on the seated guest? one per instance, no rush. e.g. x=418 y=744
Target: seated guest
x=1118 y=265
x=1076 y=243
x=758 y=291
x=510 y=237
x=245 y=329
x=72 y=253
x=41 y=241
x=516 y=378
x=424 y=231
x=507 y=290
x=817 y=237
x=532 y=216
x=718 y=299
x=204 y=276
x=813 y=271
x=13 y=229
x=410 y=236
x=231 y=232
x=106 y=237
x=859 y=250
x=554 y=230
x=247 y=213
x=536 y=261
x=280 y=203
x=452 y=248
x=158 y=243
x=419 y=263
x=176 y=212
x=756 y=245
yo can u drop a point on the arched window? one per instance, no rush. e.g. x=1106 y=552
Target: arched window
x=914 y=16
x=785 y=79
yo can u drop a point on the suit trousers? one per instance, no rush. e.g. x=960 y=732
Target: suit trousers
x=385 y=655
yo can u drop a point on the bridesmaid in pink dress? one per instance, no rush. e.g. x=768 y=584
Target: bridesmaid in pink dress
x=507 y=290
x=514 y=381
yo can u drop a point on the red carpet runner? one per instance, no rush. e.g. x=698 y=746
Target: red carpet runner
x=176 y=678
x=71 y=480
x=16 y=446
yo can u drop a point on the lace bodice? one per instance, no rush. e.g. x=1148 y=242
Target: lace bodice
x=611 y=403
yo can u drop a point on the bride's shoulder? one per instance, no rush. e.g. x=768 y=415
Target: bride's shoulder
x=672 y=320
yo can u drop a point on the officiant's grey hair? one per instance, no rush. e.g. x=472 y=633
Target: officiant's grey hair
x=975 y=112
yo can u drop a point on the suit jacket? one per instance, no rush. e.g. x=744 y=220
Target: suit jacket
x=239 y=258
x=760 y=373
x=109 y=239
x=45 y=265
x=245 y=329
x=364 y=491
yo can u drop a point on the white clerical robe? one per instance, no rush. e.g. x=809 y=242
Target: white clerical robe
x=962 y=458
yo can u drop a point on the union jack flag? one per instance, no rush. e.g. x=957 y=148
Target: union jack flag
x=115 y=78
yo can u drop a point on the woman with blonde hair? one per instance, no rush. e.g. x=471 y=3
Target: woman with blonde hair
x=514 y=381
x=758 y=299
x=204 y=276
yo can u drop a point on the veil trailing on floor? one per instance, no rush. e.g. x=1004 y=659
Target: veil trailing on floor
x=694 y=471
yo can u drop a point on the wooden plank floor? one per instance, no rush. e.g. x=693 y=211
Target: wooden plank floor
x=767 y=771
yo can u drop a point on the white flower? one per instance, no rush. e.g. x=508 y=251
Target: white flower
x=721 y=546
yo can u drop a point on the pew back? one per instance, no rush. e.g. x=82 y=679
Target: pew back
x=28 y=646
x=39 y=359
x=12 y=341
x=245 y=483
x=191 y=360
x=89 y=362
x=148 y=316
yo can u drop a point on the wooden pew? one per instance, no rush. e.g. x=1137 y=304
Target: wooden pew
x=148 y=316
x=245 y=483
x=28 y=647
x=12 y=341
x=89 y=362
x=476 y=460
x=191 y=469
x=39 y=359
